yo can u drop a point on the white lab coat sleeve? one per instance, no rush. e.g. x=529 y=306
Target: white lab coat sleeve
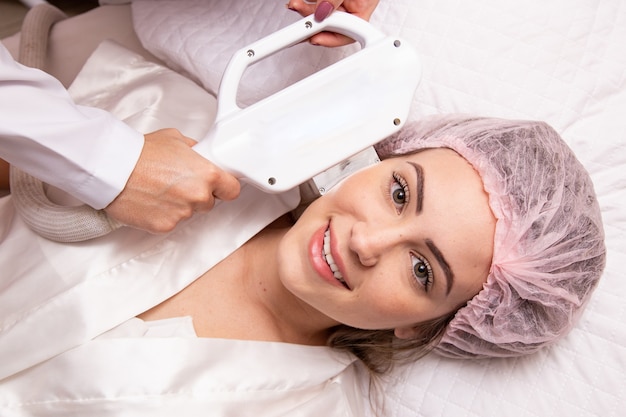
x=84 y=151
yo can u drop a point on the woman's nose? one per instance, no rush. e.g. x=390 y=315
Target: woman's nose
x=370 y=241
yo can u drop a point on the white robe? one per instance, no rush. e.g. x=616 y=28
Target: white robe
x=70 y=343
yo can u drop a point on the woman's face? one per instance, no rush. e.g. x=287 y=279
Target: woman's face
x=404 y=241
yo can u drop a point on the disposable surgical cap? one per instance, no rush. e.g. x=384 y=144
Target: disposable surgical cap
x=549 y=242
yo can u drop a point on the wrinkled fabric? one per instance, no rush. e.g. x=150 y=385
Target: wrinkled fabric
x=549 y=247
x=70 y=342
x=71 y=145
x=55 y=296
x=159 y=375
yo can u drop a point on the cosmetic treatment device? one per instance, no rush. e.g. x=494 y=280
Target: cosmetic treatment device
x=308 y=127
x=312 y=133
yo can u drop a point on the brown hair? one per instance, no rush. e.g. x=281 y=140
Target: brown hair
x=380 y=350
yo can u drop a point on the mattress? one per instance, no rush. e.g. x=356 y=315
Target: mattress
x=561 y=61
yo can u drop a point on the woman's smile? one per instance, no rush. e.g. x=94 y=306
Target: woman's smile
x=325 y=259
x=404 y=241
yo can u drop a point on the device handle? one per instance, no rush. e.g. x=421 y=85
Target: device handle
x=340 y=22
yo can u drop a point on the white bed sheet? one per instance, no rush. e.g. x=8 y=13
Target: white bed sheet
x=562 y=61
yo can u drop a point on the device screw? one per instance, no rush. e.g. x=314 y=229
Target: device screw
x=250 y=53
x=397 y=43
x=308 y=24
x=396 y=121
x=271 y=180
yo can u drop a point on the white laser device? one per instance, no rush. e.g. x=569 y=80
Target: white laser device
x=321 y=128
x=308 y=127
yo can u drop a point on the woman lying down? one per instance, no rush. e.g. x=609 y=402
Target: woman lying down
x=473 y=237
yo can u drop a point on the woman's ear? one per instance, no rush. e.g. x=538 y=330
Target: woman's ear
x=405 y=332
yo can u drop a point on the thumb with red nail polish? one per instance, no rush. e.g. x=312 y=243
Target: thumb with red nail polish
x=323 y=10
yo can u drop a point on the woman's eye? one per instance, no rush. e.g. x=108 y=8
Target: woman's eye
x=422 y=271
x=399 y=191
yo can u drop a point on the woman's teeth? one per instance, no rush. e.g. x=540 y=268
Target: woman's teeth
x=329 y=259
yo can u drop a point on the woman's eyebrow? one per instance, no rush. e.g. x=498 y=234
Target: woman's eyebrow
x=419 y=184
x=419 y=173
x=442 y=262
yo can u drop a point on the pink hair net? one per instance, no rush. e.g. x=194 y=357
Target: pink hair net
x=549 y=242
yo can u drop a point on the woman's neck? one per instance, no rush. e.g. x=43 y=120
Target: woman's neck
x=242 y=297
x=293 y=320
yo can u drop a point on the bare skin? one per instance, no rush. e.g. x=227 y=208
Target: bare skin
x=382 y=224
x=230 y=300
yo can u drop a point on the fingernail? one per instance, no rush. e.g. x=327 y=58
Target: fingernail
x=323 y=11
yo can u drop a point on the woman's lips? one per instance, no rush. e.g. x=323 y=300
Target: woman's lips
x=324 y=258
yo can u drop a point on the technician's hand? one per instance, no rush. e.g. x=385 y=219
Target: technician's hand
x=169 y=183
x=323 y=8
